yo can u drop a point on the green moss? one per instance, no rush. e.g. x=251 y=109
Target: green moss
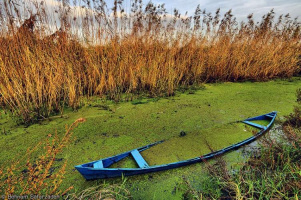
x=207 y=116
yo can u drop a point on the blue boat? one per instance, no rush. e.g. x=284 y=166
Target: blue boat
x=100 y=169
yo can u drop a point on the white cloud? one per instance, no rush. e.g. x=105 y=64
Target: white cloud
x=240 y=8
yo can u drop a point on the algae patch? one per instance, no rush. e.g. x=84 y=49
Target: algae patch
x=207 y=116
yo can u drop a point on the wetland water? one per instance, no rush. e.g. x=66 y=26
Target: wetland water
x=253 y=149
x=206 y=117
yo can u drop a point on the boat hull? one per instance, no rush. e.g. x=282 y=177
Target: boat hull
x=99 y=169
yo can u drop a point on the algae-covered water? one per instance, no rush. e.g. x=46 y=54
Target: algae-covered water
x=208 y=117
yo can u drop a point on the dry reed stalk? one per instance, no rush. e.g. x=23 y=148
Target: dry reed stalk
x=96 y=52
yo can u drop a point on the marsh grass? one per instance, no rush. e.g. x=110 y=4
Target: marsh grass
x=294 y=119
x=35 y=172
x=103 y=191
x=87 y=49
x=275 y=174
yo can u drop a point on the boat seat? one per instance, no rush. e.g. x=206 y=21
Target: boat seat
x=255 y=125
x=271 y=116
x=98 y=164
x=139 y=159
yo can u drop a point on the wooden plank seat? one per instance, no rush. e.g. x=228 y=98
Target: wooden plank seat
x=139 y=159
x=98 y=164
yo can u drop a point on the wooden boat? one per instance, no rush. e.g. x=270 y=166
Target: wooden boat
x=100 y=168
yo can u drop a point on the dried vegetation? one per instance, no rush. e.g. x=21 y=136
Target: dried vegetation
x=52 y=56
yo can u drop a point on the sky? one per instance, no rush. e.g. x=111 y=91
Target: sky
x=240 y=8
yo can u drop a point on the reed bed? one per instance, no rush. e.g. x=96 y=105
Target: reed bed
x=273 y=173
x=52 y=57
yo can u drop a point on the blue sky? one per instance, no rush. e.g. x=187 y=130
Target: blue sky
x=240 y=8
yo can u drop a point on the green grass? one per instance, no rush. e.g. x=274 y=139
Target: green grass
x=205 y=115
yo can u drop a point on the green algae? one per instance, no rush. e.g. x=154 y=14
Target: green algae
x=208 y=117
x=261 y=122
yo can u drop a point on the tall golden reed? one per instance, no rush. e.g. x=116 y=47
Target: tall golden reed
x=97 y=51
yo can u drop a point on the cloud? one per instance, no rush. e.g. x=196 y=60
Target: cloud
x=240 y=8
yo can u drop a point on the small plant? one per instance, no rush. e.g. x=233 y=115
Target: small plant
x=103 y=191
x=37 y=174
